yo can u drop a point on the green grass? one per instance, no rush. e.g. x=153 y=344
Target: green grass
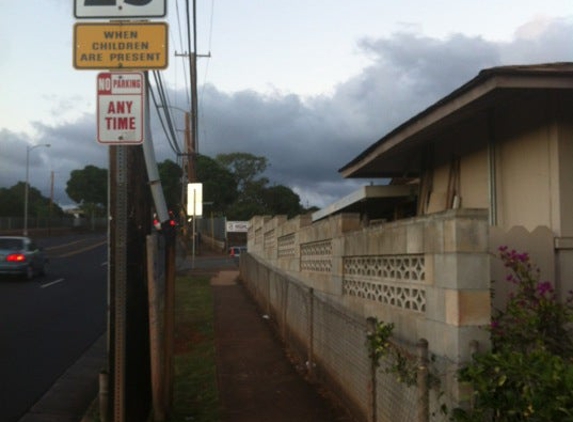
x=195 y=394
x=195 y=386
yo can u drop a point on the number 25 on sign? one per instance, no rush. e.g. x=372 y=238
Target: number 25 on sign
x=119 y=8
x=114 y=2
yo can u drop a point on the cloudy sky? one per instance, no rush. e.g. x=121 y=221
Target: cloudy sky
x=309 y=84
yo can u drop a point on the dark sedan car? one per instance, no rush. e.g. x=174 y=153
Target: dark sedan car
x=20 y=256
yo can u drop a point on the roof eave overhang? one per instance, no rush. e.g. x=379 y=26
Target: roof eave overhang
x=430 y=120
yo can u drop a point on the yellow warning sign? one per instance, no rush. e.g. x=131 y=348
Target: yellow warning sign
x=120 y=45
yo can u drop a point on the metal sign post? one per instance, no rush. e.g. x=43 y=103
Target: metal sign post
x=195 y=209
x=118 y=181
x=122 y=49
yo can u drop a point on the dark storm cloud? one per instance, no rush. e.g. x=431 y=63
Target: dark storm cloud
x=307 y=139
x=12 y=157
x=540 y=41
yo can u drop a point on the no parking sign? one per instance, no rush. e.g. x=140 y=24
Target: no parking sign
x=120 y=108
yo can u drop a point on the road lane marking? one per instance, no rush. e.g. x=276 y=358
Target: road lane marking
x=88 y=248
x=64 y=245
x=59 y=280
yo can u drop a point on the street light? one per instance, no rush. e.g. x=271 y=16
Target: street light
x=28 y=149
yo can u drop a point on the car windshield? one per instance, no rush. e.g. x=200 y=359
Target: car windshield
x=11 y=244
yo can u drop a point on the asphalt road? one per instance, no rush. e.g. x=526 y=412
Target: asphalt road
x=48 y=323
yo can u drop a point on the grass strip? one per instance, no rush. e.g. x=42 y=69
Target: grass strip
x=196 y=396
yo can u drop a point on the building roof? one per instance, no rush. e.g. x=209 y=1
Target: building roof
x=396 y=155
x=371 y=200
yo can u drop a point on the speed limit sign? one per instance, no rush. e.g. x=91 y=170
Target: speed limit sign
x=119 y=8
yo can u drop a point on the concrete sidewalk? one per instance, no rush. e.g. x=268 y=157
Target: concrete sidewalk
x=257 y=382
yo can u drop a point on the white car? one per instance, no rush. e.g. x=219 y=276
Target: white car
x=20 y=256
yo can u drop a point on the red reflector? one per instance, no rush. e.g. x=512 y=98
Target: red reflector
x=16 y=257
x=172 y=223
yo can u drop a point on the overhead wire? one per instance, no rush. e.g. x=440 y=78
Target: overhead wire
x=164 y=114
x=167 y=109
x=185 y=70
x=209 y=43
x=164 y=107
x=160 y=98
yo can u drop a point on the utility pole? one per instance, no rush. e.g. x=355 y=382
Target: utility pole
x=130 y=202
x=189 y=149
x=192 y=133
x=192 y=120
x=194 y=111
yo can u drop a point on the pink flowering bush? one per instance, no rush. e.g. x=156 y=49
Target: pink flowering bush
x=528 y=373
x=533 y=318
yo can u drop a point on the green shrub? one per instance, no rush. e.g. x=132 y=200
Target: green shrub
x=528 y=373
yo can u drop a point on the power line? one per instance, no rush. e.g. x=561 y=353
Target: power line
x=185 y=71
x=164 y=113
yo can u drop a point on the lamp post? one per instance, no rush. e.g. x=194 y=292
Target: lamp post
x=28 y=149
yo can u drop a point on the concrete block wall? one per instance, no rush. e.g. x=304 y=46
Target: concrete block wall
x=255 y=236
x=288 y=241
x=428 y=275
x=270 y=229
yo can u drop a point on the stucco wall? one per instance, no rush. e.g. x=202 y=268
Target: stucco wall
x=533 y=152
x=474 y=180
x=524 y=168
x=564 y=132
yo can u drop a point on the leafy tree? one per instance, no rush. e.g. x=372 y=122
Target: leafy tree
x=244 y=166
x=219 y=184
x=281 y=200
x=250 y=202
x=255 y=197
x=12 y=202
x=88 y=187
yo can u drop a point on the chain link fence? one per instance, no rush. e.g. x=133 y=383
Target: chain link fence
x=330 y=345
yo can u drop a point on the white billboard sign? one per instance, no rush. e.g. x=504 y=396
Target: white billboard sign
x=120 y=108
x=114 y=9
x=237 y=226
x=195 y=199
